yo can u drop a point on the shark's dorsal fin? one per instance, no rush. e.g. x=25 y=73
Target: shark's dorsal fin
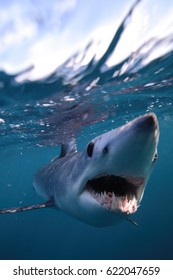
x=27 y=208
x=69 y=147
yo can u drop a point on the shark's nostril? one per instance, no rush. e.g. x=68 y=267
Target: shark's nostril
x=105 y=150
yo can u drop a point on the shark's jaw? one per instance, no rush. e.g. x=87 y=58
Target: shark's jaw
x=108 y=199
x=116 y=193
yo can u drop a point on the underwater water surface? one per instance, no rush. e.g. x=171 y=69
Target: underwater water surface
x=37 y=116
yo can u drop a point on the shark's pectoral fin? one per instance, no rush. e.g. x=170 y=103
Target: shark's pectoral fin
x=49 y=203
x=133 y=222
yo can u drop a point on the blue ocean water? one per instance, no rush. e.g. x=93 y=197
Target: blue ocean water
x=36 y=117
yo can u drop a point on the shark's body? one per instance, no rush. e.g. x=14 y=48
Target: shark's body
x=105 y=182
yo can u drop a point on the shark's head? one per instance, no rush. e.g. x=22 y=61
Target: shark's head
x=113 y=171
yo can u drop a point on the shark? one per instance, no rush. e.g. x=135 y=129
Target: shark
x=105 y=182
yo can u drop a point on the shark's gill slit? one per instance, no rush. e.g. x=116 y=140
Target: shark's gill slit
x=114 y=193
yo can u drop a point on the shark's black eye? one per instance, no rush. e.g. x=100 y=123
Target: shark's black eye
x=90 y=149
x=155 y=157
x=105 y=150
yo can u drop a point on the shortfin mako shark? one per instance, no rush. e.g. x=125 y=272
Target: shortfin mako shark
x=105 y=182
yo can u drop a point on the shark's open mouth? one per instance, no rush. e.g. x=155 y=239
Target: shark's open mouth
x=116 y=193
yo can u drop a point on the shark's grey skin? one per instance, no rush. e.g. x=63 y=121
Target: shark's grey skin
x=105 y=182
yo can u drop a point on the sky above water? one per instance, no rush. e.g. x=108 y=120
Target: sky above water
x=44 y=33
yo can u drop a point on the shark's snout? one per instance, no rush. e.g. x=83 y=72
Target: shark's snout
x=147 y=123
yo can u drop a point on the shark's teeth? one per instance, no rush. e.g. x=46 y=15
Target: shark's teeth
x=125 y=204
